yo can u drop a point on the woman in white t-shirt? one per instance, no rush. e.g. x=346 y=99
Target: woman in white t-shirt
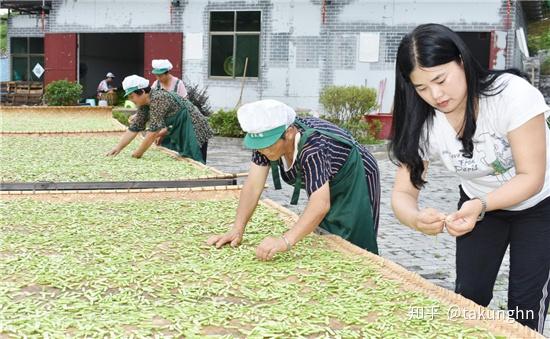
x=489 y=128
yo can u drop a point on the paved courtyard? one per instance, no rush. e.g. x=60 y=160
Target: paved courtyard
x=431 y=257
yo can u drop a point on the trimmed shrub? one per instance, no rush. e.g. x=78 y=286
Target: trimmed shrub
x=347 y=102
x=63 y=93
x=123 y=115
x=226 y=124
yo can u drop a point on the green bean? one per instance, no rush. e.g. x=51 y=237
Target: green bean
x=75 y=158
x=69 y=121
x=140 y=269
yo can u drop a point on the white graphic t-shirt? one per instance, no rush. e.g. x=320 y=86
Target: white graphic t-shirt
x=492 y=163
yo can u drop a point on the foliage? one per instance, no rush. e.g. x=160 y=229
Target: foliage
x=199 y=97
x=3 y=34
x=374 y=129
x=63 y=93
x=303 y=113
x=122 y=115
x=120 y=98
x=361 y=130
x=347 y=102
x=225 y=124
x=545 y=66
x=538 y=36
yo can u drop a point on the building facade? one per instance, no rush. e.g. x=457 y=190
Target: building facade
x=291 y=49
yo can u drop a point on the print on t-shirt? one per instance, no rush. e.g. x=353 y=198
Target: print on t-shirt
x=462 y=165
x=499 y=158
x=492 y=157
x=492 y=164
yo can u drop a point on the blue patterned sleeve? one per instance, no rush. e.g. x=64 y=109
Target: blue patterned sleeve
x=259 y=159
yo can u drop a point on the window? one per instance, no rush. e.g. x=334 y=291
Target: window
x=234 y=37
x=25 y=54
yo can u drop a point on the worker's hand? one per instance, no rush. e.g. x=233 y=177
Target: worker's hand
x=464 y=220
x=160 y=136
x=232 y=237
x=136 y=154
x=131 y=118
x=269 y=247
x=113 y=152
x=430 y=221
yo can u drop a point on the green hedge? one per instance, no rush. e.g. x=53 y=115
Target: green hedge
x=347 y=102
x=63 y=93
x=346 y=106
x=538 y=37
x=122 y=116
x=225 y=124
x=3 y=33
x=361 y=130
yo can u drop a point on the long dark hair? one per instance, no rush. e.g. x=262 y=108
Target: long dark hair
x=431 y=45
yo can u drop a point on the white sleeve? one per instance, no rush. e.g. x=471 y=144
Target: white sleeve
x=102 y=86
x=425 y=146
x=522 y=102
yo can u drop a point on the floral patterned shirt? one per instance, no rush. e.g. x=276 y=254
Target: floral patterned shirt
x=163 y=105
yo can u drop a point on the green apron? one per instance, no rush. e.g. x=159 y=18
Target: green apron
x=350 y=215
x=175 y=89
x=181 y=133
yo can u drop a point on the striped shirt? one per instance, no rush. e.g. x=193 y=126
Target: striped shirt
x=322 y=157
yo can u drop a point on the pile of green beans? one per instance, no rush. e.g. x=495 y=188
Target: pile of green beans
x=82 y=158
x=141 y=268
x=70 y=121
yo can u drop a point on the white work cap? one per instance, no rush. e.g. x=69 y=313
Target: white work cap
x=134 y=82
x=161 y=66
x=265 y=121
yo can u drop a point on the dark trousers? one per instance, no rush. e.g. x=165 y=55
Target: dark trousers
x=479 y=256
x=204 y=150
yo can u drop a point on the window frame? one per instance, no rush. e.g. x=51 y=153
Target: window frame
x=27 y=56
x=233 y=33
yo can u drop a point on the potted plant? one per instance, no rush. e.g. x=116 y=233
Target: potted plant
x=384 y=120
x=377 y=118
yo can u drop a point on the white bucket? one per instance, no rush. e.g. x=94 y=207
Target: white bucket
x=102 y=103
